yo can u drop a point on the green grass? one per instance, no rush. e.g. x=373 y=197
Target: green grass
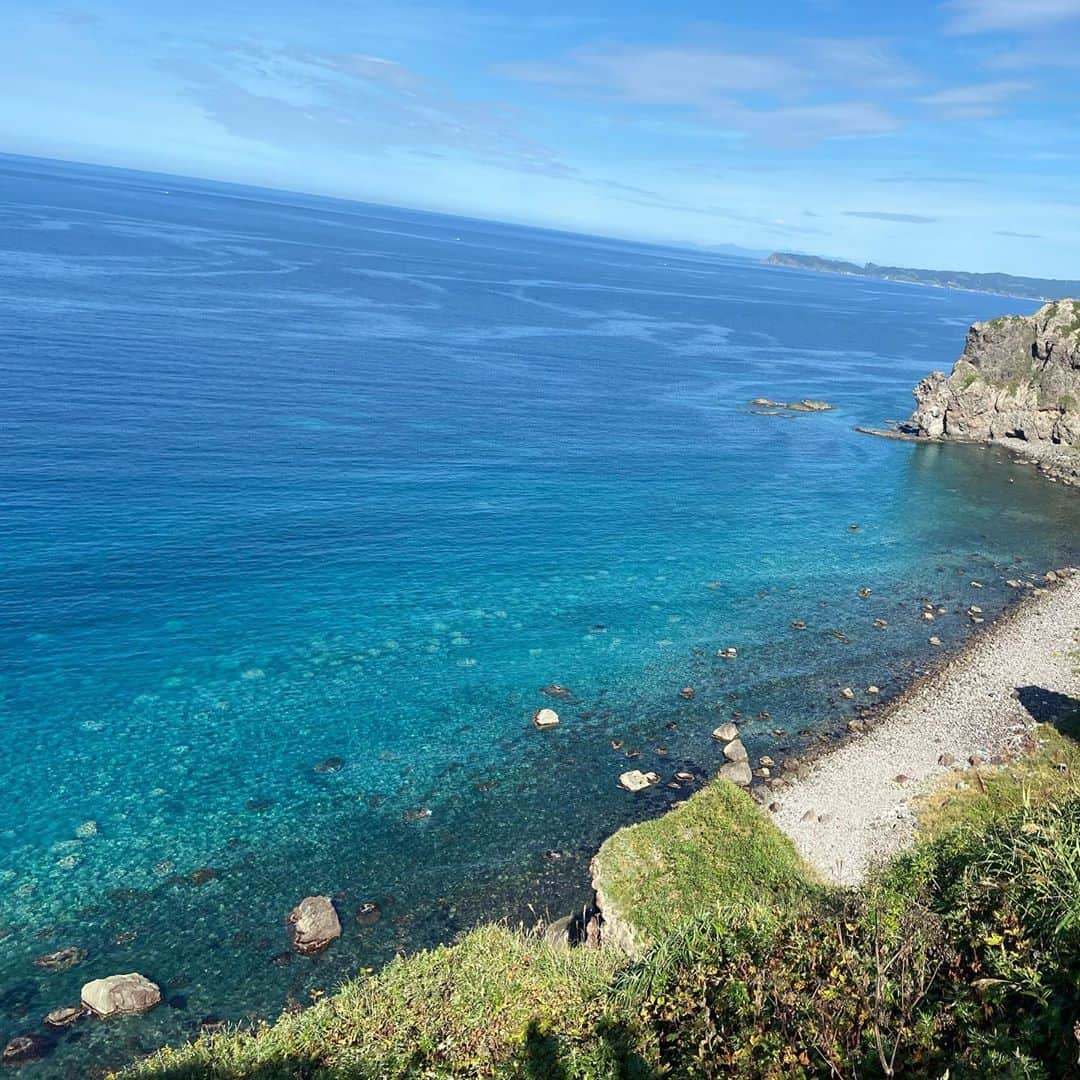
x=1048 y=772
x=718 y=848
x=959 y=958
x=490 y=1004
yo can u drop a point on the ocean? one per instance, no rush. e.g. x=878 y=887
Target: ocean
x=302 y=501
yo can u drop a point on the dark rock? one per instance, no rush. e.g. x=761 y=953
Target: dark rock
x=556 y=691
x=203 y=876
x=256 y=806
x=25 y=1048
x=62 y=959
x=329 y=765
x=368 y=914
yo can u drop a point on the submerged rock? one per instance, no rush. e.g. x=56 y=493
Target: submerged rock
x=329 y=765
x=368 y=914
x=62 y=960
x=556 y=691
x=314 y=925
x=25 y=1048
x=120 y=995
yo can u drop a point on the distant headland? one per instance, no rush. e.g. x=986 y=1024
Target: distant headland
x=1003 y=284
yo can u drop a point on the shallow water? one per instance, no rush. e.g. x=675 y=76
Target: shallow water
x=287 y=479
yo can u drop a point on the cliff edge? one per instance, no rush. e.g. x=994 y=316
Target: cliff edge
x=1017 y=381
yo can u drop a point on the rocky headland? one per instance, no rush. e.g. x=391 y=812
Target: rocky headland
x=1017 y=384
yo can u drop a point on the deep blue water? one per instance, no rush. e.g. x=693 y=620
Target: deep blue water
x=286 y=478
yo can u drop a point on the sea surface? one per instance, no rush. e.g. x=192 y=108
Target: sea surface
x=302 y=501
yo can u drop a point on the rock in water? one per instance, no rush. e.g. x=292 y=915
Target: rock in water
x=725 y=732
x=635 y=780
x=62 y=959
x=545 y=718
x=735 y=751
x=314 y=924
x=738 y=772
x=120 y=995
x=25 y=1048
x=63 y=1017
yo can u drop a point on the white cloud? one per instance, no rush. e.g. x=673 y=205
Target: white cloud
x=812 y=90
x=1016 y=16
x=976 y=101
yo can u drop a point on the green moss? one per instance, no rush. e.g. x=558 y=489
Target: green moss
x=716 y=849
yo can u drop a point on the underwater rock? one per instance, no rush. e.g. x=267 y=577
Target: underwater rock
x=120 y=995
x=545 y=718
x=686 y=692
x=25 y=1048
x=368 y=914
x=329 y=765
x=257 y=806
x=203 y=876
x=556 y=691
x=314 y=924
x=61 y=960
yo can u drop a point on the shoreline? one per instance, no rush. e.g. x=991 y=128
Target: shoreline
x=858 y=805
x=1059 y=464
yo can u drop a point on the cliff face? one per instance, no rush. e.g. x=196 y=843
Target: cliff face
x=1018 y=378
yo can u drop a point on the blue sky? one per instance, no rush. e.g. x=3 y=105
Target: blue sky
x=943 y=134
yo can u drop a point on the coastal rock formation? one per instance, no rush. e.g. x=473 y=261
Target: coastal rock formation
x=314 y=924
x=1018 y=379
x=120 y=995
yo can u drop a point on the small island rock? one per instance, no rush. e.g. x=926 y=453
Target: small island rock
x=314 y=924
x=545 y=718
x=120 y=995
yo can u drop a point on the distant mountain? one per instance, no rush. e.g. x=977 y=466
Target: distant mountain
x=1003 y=284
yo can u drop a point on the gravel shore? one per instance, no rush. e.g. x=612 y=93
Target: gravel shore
x=852 y=810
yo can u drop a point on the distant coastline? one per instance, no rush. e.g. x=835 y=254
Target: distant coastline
x=998 y=284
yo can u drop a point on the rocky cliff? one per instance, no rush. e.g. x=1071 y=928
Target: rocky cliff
x=1018 y=379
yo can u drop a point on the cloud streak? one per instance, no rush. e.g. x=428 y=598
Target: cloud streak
x=814 y=89
x=889 y=215
x=1008 y=16
x=293 y=98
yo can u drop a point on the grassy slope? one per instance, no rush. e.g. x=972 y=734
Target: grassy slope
x=717 y=849
x=962 y=955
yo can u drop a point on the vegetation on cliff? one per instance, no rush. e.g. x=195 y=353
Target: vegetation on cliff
x=959 y=958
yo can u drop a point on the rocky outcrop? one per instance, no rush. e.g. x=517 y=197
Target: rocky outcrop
x=1018 y=380
x=120 y=995
x=314 y=924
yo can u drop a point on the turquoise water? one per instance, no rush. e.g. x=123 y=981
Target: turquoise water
x=288 y=479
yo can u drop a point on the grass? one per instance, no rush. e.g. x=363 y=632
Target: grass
x=489 y=1004
x=717 y=848
x=958 y=958
x=1048 y=773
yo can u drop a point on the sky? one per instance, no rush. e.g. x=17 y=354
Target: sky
x=936 y=133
